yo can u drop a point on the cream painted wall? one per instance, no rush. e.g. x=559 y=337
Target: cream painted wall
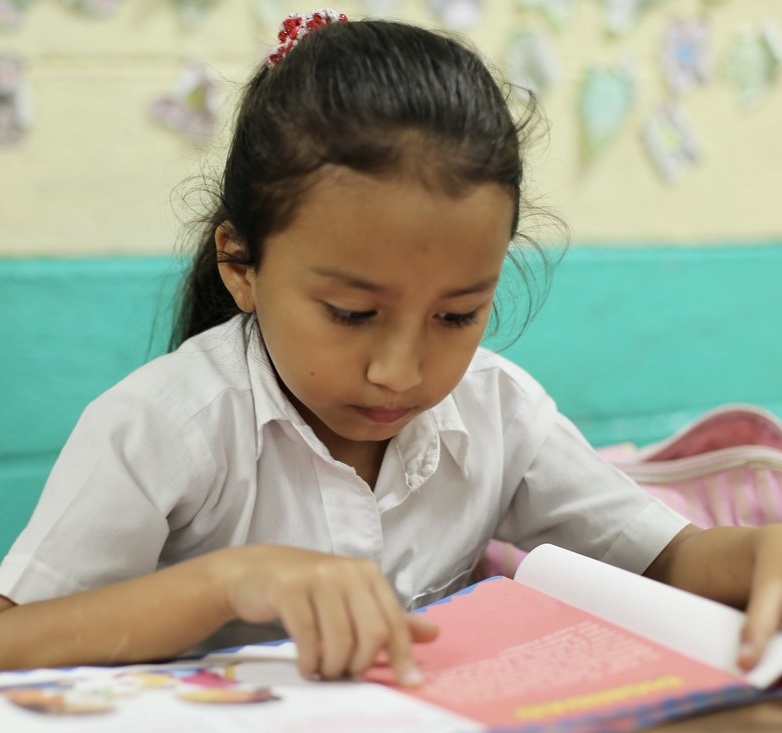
x=95 y=175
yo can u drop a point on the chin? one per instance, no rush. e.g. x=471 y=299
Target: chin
x=372 y=436
x=369 y=433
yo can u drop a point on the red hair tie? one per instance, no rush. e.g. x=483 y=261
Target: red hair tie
x=296 y=26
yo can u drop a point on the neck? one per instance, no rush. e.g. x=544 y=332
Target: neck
x=365 y=457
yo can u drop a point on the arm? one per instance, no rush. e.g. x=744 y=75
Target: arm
x=150 y=617
x=340 y=611
x=739 y=566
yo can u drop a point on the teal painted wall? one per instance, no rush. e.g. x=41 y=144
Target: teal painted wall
x=632 y=343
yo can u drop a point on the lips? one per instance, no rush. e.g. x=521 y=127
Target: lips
x=381 y=415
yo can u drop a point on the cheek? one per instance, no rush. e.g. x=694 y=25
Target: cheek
x=317 y=377
x=451 y=361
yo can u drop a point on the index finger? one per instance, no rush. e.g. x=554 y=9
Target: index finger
x=399 y=647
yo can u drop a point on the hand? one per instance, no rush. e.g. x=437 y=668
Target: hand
x=764 y=609
x=340 y=611
x=738 y=566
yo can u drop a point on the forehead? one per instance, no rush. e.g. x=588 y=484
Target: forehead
x=372 y=223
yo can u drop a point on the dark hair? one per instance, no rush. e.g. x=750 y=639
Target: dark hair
x=377 y=97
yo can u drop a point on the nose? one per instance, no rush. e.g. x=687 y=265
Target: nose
x=396 y=362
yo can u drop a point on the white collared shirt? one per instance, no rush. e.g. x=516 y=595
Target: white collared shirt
x=200 y=449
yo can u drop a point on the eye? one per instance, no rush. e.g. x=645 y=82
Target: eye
x=348 y=317
x=457 y=320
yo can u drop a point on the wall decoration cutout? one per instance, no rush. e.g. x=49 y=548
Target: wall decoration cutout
x=555 y=11
x=382 y=8
x=192 y=105
x=458 y=15
x=193 y=12
x=753 y=62
x=670 y=141
x=12 y=14
x=14 y=100
x=605 y=100
x=531 y=63
x=621 y=16
x=93 y=8
x=686 y=60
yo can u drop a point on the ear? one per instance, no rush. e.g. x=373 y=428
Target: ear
x=238 y=279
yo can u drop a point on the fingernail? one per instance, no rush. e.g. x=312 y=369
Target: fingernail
x=412 y=677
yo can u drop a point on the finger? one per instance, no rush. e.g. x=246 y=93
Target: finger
x=422 y=629
x=371 y=628
x=764 y=612
x=399 y=646
x=337 y=634
x=301 y=623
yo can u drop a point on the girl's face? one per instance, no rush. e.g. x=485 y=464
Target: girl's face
x=375 y=298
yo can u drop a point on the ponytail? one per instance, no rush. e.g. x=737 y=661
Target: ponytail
x=204 y=301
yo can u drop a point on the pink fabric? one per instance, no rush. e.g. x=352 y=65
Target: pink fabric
x=725 y=468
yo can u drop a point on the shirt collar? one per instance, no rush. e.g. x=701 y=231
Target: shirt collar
x=418 y=444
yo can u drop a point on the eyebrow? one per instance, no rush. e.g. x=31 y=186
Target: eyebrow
x=352 y=281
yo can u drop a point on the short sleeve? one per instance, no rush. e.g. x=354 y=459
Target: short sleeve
x=571 y=497
x=127 y=471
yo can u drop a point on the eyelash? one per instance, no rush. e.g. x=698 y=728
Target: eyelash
x=349 y=318
x=359 y=318
x=459 y=320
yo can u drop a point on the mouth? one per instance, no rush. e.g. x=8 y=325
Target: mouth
x=382 y=415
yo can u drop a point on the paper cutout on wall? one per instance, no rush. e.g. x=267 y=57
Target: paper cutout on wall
x=605 y=100
x=193 y=12
x=670 y=141
x=12 y=14
x=531 y=62
x=753 y=62
x=382 y=8
x=686 y=61
x=555 y=11
x=93 y=8
x=620 y=16
x=14 y=100
x=457 y=14
x=191 y=107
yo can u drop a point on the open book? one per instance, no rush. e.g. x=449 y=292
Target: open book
x=579 y=645
x=574 y=645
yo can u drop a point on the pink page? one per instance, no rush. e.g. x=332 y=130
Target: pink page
x=509 y=655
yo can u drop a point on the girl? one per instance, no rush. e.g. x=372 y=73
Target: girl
x=329 y=447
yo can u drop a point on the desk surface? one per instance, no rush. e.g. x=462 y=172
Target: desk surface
x=765 y=717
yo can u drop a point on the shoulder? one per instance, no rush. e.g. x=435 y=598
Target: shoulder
x=498 y=378
x=197 y=399
x=176 y=420
x=209 y=367
x=496 y=396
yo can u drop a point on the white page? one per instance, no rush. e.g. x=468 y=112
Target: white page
x=326 y=707
x=694 y=626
